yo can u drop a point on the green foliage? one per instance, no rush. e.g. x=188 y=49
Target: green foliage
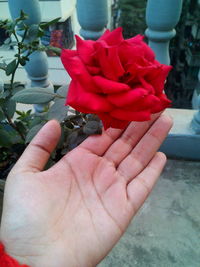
x=27 y=44
x=15 y=125
x=58 y=110
x=5 y=137
x=185 y=55
x=34 y=96
x=132 y=17
x=33 y=131
x=18 y=128
x=10 y=68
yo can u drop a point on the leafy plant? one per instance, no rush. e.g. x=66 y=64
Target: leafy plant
x=132 y=17
x=14 y=131
x=184 y=54
x=75 y=126
x=17 y=128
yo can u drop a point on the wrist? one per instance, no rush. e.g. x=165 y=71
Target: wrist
x=7 y=260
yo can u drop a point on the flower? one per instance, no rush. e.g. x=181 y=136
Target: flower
x=117 y=79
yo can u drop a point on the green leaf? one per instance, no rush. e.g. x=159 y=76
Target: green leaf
x=75 y=139
x=35 y=121
x=40 y=32
x=198 y=90
x=44 y=25
x=58 y=110
x=49 y=164
x=33 y=131
x=23 y=16
x=1 y=86
x=33 y=31
x=61 y=141
x=2 y=116
x=3 y=66
x=5 y=138
x=7 y=41
x=34 y=95
x=63 y=90
x=10 y=27
x=9 y=107
x=21 y=126
x=54 y=49
x=92 y=127
x=4 y=94
x=2 y=101
x=17 y=89
x=11 y=67
x=22 y=61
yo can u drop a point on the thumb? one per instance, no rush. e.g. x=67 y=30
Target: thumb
x=38 y=151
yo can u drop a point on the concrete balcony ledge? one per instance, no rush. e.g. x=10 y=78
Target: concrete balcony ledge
x=182 y=141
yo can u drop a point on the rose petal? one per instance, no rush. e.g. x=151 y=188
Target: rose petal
x=71 y=62
x=109 y=62
x=146 y=103
x=109 y=121
x=162 y=104
x=104 y=35
x=112 y=38
x=147 y=51
x=165 y=102
x=127 y=98
x=108 y=86
x=128 y=115
x=105 y=67
x=147 y=86
x=81 y=99
x=85 y=49
x=115 y=62
x=118 y=79
x=93 y=70
x=157 y=78
x=67 y=53
x=133 y=52
x=137 y=39
x=72 y=98
x=129 y=54
x=78 y=71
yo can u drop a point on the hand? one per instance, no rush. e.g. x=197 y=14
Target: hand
x=74 y=213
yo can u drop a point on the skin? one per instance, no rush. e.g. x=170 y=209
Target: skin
x=75 y=212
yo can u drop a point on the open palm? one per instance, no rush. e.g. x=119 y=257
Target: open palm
x=73 y=213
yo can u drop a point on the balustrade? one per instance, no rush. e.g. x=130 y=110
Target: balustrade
x=37 y=66
x=161 y=17
x=195 y=124
x=93 y=18
x=184 y=139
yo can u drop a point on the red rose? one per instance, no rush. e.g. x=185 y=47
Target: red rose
x=117 y=79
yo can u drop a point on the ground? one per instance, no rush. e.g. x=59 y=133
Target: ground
x=166 y=231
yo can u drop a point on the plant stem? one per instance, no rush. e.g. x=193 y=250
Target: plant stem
x=19 y=53
x=13 y=74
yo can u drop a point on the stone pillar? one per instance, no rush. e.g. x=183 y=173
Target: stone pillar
x=161 y=17
x=1 y=84
x=93 y=18
x=37 y=66
x=195 y=124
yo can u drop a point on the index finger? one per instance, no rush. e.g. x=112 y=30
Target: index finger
x=38 y=151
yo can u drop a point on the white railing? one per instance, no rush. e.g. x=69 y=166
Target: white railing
x=161 y=17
